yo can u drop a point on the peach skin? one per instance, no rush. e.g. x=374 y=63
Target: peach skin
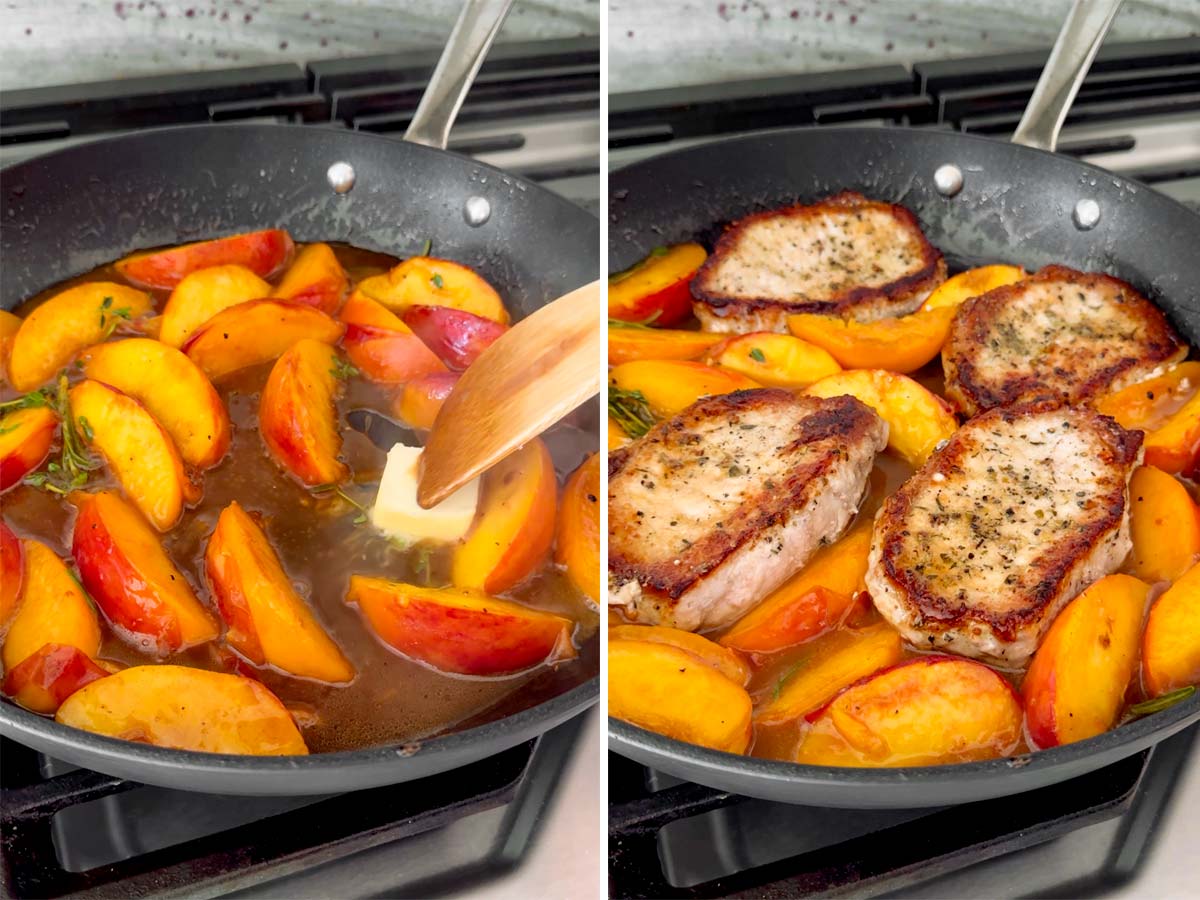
x=315 y=278
x=51 y=674
x=25 y=439
x=262 y=252
x=657 y=289
x=12 y=572
x=53 y=609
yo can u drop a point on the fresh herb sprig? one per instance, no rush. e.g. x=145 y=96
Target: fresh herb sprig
x=110 y=318
x=630 y=410
x=75 y=462
x=32 y=400
x=363 y=512
x=343 y=370
x=646 y=324
x=1158 y=704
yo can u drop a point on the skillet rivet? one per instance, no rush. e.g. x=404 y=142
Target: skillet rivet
x=1086 y=214
x=341 y=177
x=476 y=211
x=948 y=179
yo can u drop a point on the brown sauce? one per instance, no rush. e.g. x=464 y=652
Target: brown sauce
x=392 y=699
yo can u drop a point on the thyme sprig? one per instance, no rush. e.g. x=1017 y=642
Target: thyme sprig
x=75 y=462
x=1158 y=704
x=363 y=512
x=646 y=324
x=110 y=318
x=343 y=370
x=32 y=400
x=630 y=410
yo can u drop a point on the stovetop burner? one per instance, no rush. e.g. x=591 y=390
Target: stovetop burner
x=1077 y=838
x=71 y=832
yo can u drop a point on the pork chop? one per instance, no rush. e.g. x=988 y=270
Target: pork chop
x=846 y=256
x=1058 y=334
x=1022 y=509
x=715 y=508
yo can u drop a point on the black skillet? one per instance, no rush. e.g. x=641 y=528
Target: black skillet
x=69 y=212
x=979 y=200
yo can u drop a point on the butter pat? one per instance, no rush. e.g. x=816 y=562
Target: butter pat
x=397 y=514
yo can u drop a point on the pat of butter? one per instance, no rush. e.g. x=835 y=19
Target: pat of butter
x=397 y=513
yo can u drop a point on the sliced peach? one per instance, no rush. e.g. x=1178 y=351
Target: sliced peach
x=1164 y=524
x=172 y=388
x=256 y=332
x=456 y=337
x=1171 y=641
x=514 y=527
x=657 y=289
x=262 y=252
x=9 y=326
x=316 y=278
x=360 y=309
x=626 y=344
x=811 y=602
x=928 y=711
x=185 y=708
x=428 y=281
x=774 y=360
x=1174 y=446
x=389 y=355
x=900 y=345
x=12 y=571
x=1076 y=683
x=124 y=567
x=670 y=386
x=55 y=331
x=831 y=663
x=25 y=439
x=421 y=399
x=728 y=663
x=297 y=415
x=578 y=544
x=459 y=629
x=51 y=674
x=203 y=294
x=269 y=623
x=1146 y=405
x=53 y=609
x=662 y=688
x=137 y=448
x=957 y=290
x=918 y=420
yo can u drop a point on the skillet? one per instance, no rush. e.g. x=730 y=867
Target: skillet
x=980 y=201
x=69 y=212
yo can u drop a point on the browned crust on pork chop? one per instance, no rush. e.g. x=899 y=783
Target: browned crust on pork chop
x=1058 y=334
x=833 y=423
x=852 y=285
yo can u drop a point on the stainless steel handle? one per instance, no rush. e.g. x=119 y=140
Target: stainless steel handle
x=1072 y=56
x=473 y=34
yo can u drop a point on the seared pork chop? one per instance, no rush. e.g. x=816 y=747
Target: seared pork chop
x=713 y=509
x=1022 y=509
x=1058 y=334
x=845 y=256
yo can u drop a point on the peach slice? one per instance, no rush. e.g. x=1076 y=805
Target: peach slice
x=125 y=569
x=269 y=623
x=811 y=602
x=927 y=711
x=899 y=345
x=456 y=337
x=9 y=326
x=360 y=309
x=831 y=663
x=774 y=360
x=185 y=708
x=428 y=281
x=1171 y=641
x=421 y=399
x=203 y=294
x=389 y=355
x=671 y=386
x=297 y=415
x=262 y=252
x=657 y=289
x=55 y=331
x=1164 y=523
x=316 y=278
x=25 y=439
x=958 y=289
x=728 y=663
x=918 y=420
x=1144 y=406
x=1175 y=445
x=12 y=572
x=137 y=448
x=53 y=609
x=514 y=527
x=172 y=388
x=578 y=544
x=665 y=689
x=1076 y=683
x=51 y=674
x=627 y=344
x=461 y=630
x=255 y=332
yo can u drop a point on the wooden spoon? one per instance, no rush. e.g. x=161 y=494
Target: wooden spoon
x=537 y=372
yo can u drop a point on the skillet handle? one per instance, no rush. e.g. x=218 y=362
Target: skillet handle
x=473 y=33
x=1072 y=56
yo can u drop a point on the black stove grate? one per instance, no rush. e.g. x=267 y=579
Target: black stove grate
x=661 y=842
